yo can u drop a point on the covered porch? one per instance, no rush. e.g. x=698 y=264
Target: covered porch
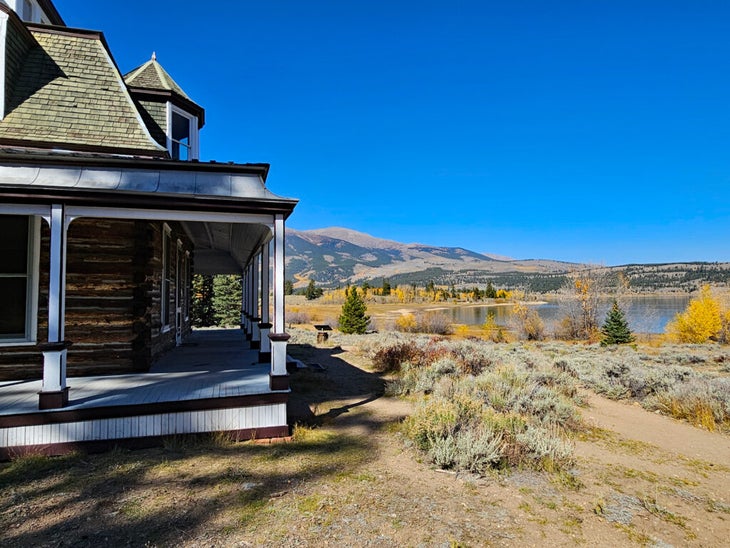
x=181 y=218
x=214 y=382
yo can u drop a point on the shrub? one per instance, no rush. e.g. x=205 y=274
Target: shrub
x=701 y=322
x=406 y=323
x=434 y=323
x=478 y=450
x=435 y=419
x=296 y=316
x=390 y=358
x=700 y=401
x=492 y=329
x=528 y=323
x=545 y=448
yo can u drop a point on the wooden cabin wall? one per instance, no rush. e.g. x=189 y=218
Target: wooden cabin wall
x=113 y=291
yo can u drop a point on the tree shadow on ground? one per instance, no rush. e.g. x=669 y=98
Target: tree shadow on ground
x=163 y=495
x=328 y=381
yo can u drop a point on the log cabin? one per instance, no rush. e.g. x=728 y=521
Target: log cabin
x=106 y=212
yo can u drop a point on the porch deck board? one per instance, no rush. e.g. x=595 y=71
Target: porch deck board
x=210 y=364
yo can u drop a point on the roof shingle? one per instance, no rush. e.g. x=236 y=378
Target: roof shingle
x=70 y=92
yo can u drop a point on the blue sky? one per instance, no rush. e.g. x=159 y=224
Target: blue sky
x=580 y=131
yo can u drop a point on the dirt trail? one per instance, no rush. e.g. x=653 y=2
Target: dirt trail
x=634 y=422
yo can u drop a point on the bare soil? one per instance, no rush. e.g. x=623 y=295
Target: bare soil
x=352 y=480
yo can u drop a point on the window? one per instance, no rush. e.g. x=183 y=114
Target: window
x=18 y=276
x=182 y=136
x=27 y=13
x=165 y=311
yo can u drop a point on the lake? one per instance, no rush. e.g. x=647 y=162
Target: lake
x=645 y=314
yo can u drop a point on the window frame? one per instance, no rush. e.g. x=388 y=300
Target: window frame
x=32 y=276
x=166 y=279
x=194 y=146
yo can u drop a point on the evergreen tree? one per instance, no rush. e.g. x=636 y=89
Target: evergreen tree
x=386 y=287
x=616 y=329
x=288 y=287
x=490 y=292
x=202 y=302
x=353 y=318
x=227 y=300
x=312 y=291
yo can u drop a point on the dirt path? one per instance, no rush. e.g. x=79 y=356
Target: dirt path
x=633 y=422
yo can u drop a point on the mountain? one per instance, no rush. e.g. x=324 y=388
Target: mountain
x=337 y=256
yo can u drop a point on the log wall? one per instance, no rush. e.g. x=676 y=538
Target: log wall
x=113 y=291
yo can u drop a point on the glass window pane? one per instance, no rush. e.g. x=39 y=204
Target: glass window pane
x=13 y=244
x=12 y=302
x=180 y=127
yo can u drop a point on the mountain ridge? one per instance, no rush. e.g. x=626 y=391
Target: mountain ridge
x=339 y=255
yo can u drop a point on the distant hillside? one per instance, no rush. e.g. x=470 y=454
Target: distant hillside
x=338 y=256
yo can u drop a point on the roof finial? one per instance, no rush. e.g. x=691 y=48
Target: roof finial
x=154 y=56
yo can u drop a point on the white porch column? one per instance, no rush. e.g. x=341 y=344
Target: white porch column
x=249 y=281
x=265 y=326
x=243 y=300
x=54 y=392
x=279 y=377
x=245 y=280
x=255 y=318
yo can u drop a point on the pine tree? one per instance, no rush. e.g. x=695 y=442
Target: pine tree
x=227 y=300
x=202 y=305
x=353 y=318
x=386 y=288
x=616 y=329
x=312 y=291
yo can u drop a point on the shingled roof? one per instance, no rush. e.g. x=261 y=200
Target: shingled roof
x=152 y=83
x=151 y=75
x=70 y=95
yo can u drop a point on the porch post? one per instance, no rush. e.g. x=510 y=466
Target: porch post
x=243 y=300
x=255 y=318
x=246 y=297
x=265 y=326
x=54 y=392
x=279 y=379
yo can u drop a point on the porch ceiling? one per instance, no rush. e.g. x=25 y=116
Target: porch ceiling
x=224 y=248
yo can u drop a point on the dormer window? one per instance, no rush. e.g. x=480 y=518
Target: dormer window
x=182 y=138
x=27 y=14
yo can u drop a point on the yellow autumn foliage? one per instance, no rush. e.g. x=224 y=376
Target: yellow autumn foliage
x=406 y=323
x=701 y=322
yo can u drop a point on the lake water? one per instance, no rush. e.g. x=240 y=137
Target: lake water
x=645 y=314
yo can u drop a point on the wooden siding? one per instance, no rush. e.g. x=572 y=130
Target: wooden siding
x=113 y=282
x=140 y=426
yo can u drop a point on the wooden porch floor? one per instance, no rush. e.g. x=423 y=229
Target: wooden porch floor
x=213 y=383
x=212 y=363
